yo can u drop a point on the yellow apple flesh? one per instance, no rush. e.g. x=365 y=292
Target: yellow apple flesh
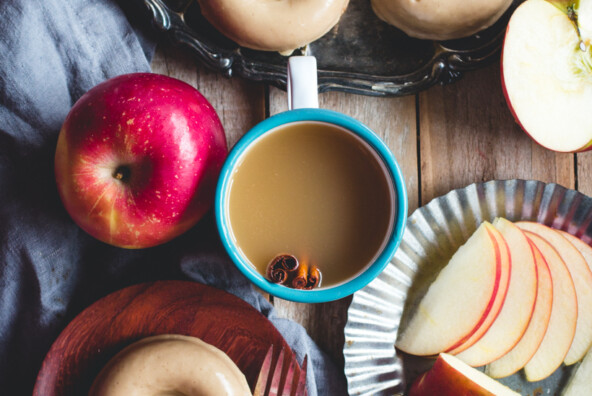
x=522 y=352
x=460 y=298
x=582 y=279
x=513 y=318
x=562 y=322
x=506 y=264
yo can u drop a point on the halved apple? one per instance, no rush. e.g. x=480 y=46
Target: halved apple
x=582 y=279
x=547 y=72
x=458 y=301
x=522 y=352
x=562 y=322
x=513 y=318
x=449 y=376
x=506 y=266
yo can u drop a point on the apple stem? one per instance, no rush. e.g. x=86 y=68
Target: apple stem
x=122 y=173
x=572 y=14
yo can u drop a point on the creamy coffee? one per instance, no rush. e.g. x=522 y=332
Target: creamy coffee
x=313 y=190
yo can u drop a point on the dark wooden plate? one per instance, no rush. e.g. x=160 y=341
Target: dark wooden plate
x=167 y=307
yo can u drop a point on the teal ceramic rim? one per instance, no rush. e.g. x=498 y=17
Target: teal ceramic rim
x=322 y=294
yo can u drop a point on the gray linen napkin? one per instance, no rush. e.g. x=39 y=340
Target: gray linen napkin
x=51 y=52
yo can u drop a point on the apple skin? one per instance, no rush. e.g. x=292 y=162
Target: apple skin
x=138 y=158
x=451 y=377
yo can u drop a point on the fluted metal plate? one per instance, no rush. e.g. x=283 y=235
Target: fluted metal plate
x=434 y=232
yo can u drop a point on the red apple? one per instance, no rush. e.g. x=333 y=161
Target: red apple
x=547 y=72
x=451 y=377
x=138 y=158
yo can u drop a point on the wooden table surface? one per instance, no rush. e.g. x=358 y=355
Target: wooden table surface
x=444 y=138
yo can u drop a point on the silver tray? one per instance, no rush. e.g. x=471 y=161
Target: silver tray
x=362 y=55
x=434 y=232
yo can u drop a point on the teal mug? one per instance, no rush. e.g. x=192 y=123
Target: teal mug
x=303 y=110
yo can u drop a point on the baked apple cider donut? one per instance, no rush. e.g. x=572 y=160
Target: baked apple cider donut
x=277 y=25
x=440 y=19
x=170 y=365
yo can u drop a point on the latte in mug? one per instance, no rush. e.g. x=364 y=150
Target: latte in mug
x=315 y=191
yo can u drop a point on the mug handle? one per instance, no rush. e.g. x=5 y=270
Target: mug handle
x=302 y=86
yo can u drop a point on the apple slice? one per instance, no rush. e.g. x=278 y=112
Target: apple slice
x=522 y=352
x=562 y=322
x=582 y=279
x=513 y=318
x=547 y=72
x=460 y=298
x=579 y=383
x=506 y=264
x=582 y=247
x=449 y=376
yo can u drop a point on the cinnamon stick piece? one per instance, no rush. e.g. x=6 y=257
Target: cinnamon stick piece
x=301 y=276
x=314 y=278
x=280 y=268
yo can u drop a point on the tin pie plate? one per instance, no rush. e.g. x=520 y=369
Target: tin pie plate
x=434 y=232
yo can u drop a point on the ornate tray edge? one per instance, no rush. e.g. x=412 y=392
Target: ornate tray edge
x=446 y=66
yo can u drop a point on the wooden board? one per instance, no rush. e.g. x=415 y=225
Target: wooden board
x=444 y=138
x=167 y=307
x=467 y=134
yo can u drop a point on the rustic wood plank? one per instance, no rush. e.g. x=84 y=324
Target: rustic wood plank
x=584 y=173
x=467 y=134
x=395 y=122
x=240 y=104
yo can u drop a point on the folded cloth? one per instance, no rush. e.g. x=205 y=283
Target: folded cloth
x=51 y=52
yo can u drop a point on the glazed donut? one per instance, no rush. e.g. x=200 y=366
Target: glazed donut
x=278 y=25
x=170 y=365
x=440 y=19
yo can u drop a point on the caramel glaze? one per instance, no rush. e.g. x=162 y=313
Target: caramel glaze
x=170 y=365
x=279 y=25
x=440 y=19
